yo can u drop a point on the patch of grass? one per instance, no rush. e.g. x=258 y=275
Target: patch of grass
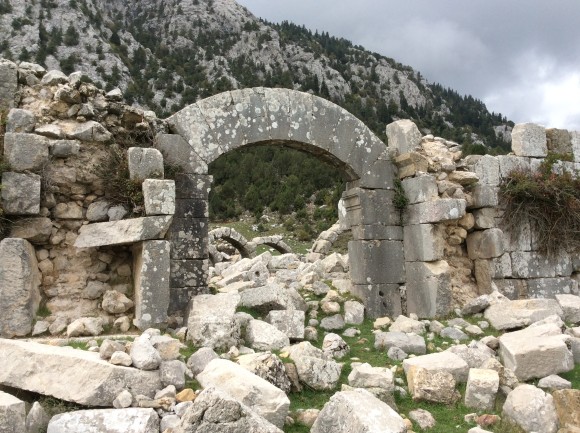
x=54 y=406
x=573 y=376
x=400 y=201
x=78 y=345
x=43 y=310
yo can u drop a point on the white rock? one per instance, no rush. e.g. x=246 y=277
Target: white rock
x=366 y=376
x=130 y=420
x=123 y=400
x=482 y=386
x=12 y=414
x=143 y=354
x=263 y=336
x=531 y=409
x=121 y=358
x=443 y=361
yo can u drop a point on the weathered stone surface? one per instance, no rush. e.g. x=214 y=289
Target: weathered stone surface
x=444 y=209
x=85 y=326
x=487 y=169
x=263 y=336
x=510 y=163
x=68 y=211
x=267 y=366
x=482 y=386
x=551 y=287
x=403 y=136
x=20 y=193
x=123 y=232
x=570 y=306
x=554 y=382
x=485 y=244
x=40 y=368
x=535 y=265
x=366 y=376
x=215 y=411
x=151 y=268
x=54 y=77
x=89 y=131
x=37 y=419
x=172 y=373
x=12 y=413
x=475 y=354
x=211 y=321
x=143 y=354
x=159 y=196
x=519 y=313
x=333 y=322
x=64 y=148
x=536 y=352
x=178 y=152
x=115 y=302
x=423 y=418
x=408 y=342
x=290 y=322
x=145 y=163
x=129 y=420
x=567 y=403
x=8 y=84
x=432 y=385
x=19 y=120
x=334 y=346
x=531 y=409
x=428 y=293
x=35 y=230
x=313 y=367
x=253 y=391
x=423 y=242
x=369 y=266
x=407 y=324
x=25 y=151
x=272 y=297
x=529 y=139
x=342 y=413
x=354 y=313
x=484 y=196
x=420 y=188
x=19 y=282
x=443 y=361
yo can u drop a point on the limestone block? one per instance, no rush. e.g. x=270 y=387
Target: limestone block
x=145 y=163
x=151 y=273
x=536 y=352
x=20 y=193
x=64 y=148
x=333 y=322
x=520 y=313
x=428 y=288
x=484 y=196
x=159 y=196
x=411 y=163
x=313 y=366
x=259 y=395
x=463 y=178
x=19 y=282
x=37 y=419
x=211 y=321
x=482 y=386
x=529 y=139
x=372 y=257
x=527 y=264
x=487 y=169
x=334 y=346
x=575 y=139
x=68 y=211
x=554 y=382
x=344 y=410
x=35 y=230
x=143 y=354
x=89 y=131
x=403 y=136
x=378 y=232
x=436 y=386
x=509 y=163
x=531 y=409
x=485 y=244
x=176 y=151
x=122 y=232
x=198 y=361
x=192 y=186
x=485 y=218
x=435 y=211
x=262 y=336
x=129 y=420
x=267 y=366
x=369 y=207
x=8 y=84
x=511 y=288
x=40 y=368
x=19 y=120
x=423 y=242
x=12 y=411
x=408 y=325
x=420 y=189
x=354 y=312
x=25 y=151
x=551 y=287
x=85 y=326
x=115 y=302
x=476 y=353
x=272 y=297
x=559 y=141
x=366 y=376
x=290 y=322
x=567 y=403
x=191 y=208
x=408 y=342
x=442 y=361
x=379 y=299
x=571 y=306
x=189 y=238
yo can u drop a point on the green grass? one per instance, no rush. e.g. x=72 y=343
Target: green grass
x=573 y=376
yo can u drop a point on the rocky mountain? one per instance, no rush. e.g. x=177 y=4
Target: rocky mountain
x=164 y=54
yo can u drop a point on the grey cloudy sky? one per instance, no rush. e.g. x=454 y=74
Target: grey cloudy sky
x=521 y=57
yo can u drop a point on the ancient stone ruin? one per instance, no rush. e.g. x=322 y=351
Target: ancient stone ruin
x=77 y=264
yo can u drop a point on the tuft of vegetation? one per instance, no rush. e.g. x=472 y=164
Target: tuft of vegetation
x=549 y=201
x=400 y=201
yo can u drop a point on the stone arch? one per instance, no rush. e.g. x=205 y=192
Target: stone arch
x=275 y=242
x=203 y=131
x=323 y=243
x=235 y=238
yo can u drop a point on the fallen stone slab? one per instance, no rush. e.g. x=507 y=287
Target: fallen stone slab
x=520 y=313
x=272 y=297
x=408 y=342
x=263 y=336
x=129 y=420
x=123 y=232
x=443 y=361
x=12 y=414
x=531 y=409
x=536 y=352
x=436 y=386
x=69 y=374
x=357 y=411
x=482 y=386
x=571 y=306
x=259 y=395
x=314 y=367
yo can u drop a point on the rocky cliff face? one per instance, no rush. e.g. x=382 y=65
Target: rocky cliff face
x=164 y=54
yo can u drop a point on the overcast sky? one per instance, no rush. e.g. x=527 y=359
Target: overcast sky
x=521 y=57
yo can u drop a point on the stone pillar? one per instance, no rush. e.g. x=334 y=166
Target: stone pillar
x=188 y=237
x=377 y=263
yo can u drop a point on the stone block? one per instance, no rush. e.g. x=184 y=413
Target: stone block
x=575 y=139
x=519 y=239
x=571 y=306
x=485 y=244
x=189 y=273
x=176 y=151
x=529 y=139
x=559 y=141
x=377 y=232
x=25 y=151
x=189 y=238
x=379 y=299
x=428 y=288
x=64 y=148
x=548 y=288
x=420 y=189
x=192 y=186
x=35 y=230
x=40 y=368
x=484 y=196
x=435 y=211
x=423 y=242
x=512 y=288
x=403 y=136
x=487 y=169
x=410 y=164
x=484 y=218
x=378 y=262
x=191 y=208
x=145 y=163
x=408 y=342
x=369 y=207
x=12 y=413
x=8 y=84
x=128 y=420
x=123 y=232
x=262 y=336
x=535 y=265
x=19 y=282
x=536 y=352
x=159 y=196
x=531 y=409
x=354 y=312
x=501 y=267
x=509 y=163
x=272 y=297
x=290 y=322
x=442 y=361
x=151 y=273
x=516 y=314
x=179 y=298
x=567 y=403
x=482 y=386
x=435 y=386
x=19 y=120
x=21 y=193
